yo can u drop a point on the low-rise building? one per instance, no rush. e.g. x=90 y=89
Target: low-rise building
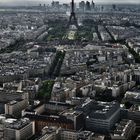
x=18 y=129
x=49 y=133
x=124 y=131
x=103 y=116
x=15 y=107
x=75 y=135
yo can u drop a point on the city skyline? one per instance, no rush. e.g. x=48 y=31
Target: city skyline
x=34 y=2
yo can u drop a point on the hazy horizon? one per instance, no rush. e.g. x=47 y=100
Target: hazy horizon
x=35 y=2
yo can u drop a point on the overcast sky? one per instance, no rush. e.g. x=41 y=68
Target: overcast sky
x=26 y=2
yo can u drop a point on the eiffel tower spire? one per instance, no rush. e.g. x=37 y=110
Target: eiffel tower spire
x=73 y=19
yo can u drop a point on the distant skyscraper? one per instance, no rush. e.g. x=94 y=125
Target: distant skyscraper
x=114 y=7
x=102 y=8
x=55 y=5
x=82 y=5
x=88 y=6
x=92 y=5
x=65 y=6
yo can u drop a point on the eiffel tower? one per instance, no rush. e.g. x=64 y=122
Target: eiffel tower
x=73 y=19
